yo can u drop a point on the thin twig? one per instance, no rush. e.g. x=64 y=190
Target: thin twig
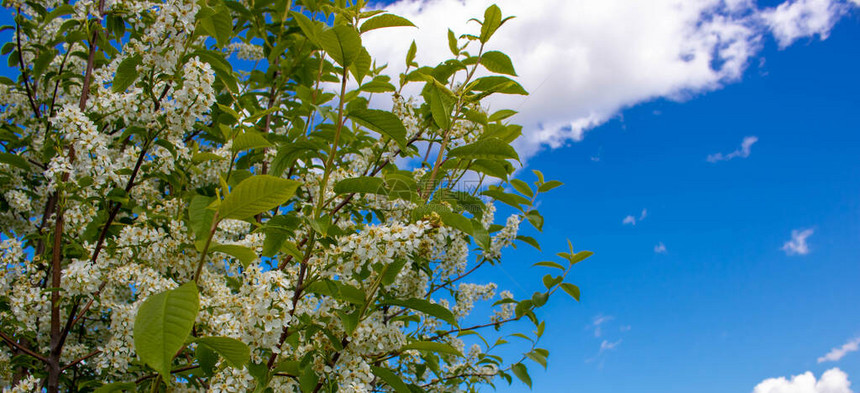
x=81 y=359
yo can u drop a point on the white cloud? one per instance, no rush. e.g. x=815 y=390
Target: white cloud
x=803 y=18
x=660 y=248
x=630 y=220
x=837 y=353
x=608 y=346
x=832 y=381
x=742 y=152
x=584 y=61
x=797 y=245
x=598 y=321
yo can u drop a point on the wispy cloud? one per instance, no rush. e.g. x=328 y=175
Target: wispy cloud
x=832 y=381
x=608 y=346
x=797 y=245
x=631 y=220
x=600 y=326
x=742 y=152
x=836 y=354
x=598 y=321
x=660 y=248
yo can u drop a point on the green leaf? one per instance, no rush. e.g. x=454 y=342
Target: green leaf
x=439 y=108
x=502 y=114
x=498 y=84
x=377 y=86
x=389 y=274
x=385 y=20
x=383 y=122
x=244 y=254
x=261 y=374
x=539 y=299
x=309 y=27
x=549 y=281
x=361 y=65
x=537 y=357
x=249 y=139
x=509 y=199
x=207 y=358
x=549 y=185
x=580 y=256
x=410 y=55
x=424 y=306
x=522 y=188
x=349 y=320
x=361 y=185
x=391 y=379
x=255 y=195
x=489 y=148
x=43 y=61
x=523 y=307
x=571 y=290
x=491 y=23
x=498 y=62
x=115 y=387
x=199 y=216
x=222 y=22
x=452 y=43
x=205 y=156
x=549 y=264
x=309 y=379
x=495 y=168
x=535 y=219
x=342 y=43
x=529 y=240
x=14 y=160
x=432 y=346
x=522 y=373
x=126 y=73
x=234 y=351
x=273 y=242
x=162 y=324
x=454 y=220
x=228 y=110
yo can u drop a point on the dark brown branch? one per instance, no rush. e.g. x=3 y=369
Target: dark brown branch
x=100 y=243
x=81 y=359
x=435 y=381
x=24 y=75
x=12 y=343
x=447 y=332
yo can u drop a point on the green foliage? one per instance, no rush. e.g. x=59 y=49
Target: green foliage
x=342 y=43
x=385 y=20
x=306 y=228
x=234 y=351
x=255 y=195
x=162 y=325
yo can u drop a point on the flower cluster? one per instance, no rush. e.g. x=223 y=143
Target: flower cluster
x=326 y=239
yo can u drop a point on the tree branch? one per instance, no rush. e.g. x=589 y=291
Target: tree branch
x=12 y=343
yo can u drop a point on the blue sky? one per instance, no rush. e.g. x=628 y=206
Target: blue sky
x=725 y=307
x=724 y=304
